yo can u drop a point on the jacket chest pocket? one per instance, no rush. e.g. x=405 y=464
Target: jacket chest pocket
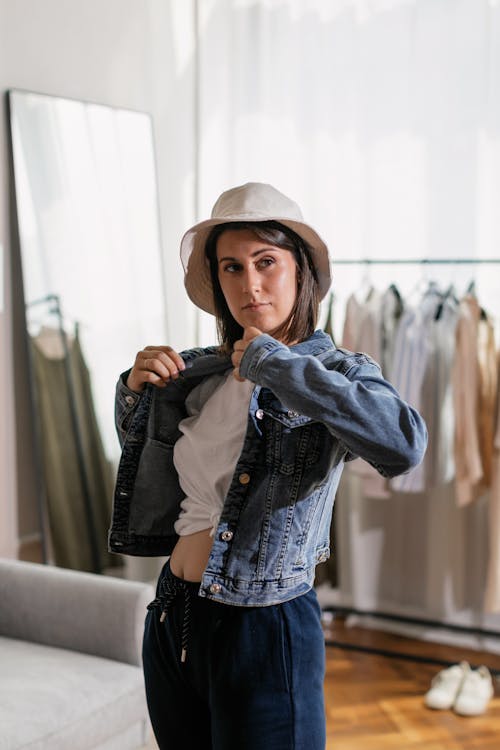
x=291 y=440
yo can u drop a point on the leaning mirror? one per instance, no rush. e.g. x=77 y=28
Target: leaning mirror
x=87 y=209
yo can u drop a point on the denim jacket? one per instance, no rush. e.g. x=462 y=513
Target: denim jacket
x=313 y=407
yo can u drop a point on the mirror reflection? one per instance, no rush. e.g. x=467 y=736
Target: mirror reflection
x=86 y=200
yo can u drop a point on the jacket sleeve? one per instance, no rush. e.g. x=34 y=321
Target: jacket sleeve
x=358 y=406
x=125 y=405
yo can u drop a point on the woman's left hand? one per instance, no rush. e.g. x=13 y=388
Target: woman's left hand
x=249 y=334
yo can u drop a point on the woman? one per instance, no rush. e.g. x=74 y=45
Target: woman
x=231 y=459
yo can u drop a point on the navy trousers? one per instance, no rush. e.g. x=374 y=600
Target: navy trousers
x=252 y=678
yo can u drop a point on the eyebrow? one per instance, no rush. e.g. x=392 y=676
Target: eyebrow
x=253 y=255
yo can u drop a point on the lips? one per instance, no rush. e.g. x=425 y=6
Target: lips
x=255 y=306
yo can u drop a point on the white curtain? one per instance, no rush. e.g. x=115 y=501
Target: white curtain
x=382 y=119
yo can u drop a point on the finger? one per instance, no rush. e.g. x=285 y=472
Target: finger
x=250 y=333
x=170 y=353
x=154 y=379
x=237 y=376
x=164 y=370
x=137 y=379
x=236 y=359
x=161 y=364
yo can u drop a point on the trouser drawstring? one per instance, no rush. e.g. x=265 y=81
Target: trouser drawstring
x=169 y=589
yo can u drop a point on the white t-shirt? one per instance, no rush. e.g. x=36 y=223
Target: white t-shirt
x=206 y=454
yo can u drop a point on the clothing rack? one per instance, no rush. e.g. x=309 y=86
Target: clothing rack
x=55 y=309
x=345 y=611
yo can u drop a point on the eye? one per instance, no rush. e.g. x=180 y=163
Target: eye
x=265 y=262
x=231 y=267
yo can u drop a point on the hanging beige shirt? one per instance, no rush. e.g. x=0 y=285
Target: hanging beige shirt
x=465 y=380
x=488 y=376
x=492 y=597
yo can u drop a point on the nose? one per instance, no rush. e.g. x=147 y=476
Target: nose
x=250 y=280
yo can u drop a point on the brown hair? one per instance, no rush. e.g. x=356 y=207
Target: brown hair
x=302 y=320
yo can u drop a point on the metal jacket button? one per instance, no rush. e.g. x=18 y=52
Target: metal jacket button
x=130 y=400
x=292 y=414
x=215 y=588
x=259 y=414
x=244 y=478
x=226 y=536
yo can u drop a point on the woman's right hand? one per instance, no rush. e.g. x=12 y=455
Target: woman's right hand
x=156 y=365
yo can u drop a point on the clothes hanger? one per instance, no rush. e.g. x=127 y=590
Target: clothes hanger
x=48 y=329
x=449 y=294
x=366 y=288
x=422 y=285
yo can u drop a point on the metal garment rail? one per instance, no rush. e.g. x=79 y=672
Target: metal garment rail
x=54 y=301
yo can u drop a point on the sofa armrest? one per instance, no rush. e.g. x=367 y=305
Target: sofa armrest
x=94 y=614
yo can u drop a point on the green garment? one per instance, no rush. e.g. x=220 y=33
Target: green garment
x=64 y=484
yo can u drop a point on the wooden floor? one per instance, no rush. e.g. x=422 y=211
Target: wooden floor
x=376 y=702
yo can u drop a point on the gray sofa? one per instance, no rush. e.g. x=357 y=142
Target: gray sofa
x=70 y=674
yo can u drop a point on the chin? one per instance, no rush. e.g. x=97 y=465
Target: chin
x=257 y=322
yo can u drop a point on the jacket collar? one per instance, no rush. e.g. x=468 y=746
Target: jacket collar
x=213 y=362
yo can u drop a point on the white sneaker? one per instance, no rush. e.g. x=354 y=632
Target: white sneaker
x=475 y=693
x=446 y=685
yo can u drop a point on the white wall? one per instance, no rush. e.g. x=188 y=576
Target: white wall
x=115 y=52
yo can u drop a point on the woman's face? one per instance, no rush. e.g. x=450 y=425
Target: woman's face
x=258 y=280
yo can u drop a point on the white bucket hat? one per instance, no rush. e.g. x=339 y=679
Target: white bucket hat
x=254 y=201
